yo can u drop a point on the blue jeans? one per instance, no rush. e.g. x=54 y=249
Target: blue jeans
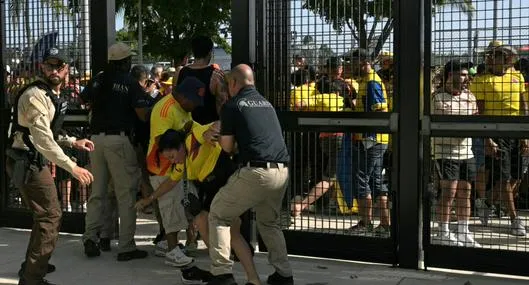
x=367 y=170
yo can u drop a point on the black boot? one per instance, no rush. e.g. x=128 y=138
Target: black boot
x=51 y=268
x=91 y=249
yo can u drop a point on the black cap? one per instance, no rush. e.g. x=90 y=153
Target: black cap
x=361 y=54
x=192 y=89
x=55 y=53
x=456 y=65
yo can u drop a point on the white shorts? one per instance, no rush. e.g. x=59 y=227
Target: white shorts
x=173 y=215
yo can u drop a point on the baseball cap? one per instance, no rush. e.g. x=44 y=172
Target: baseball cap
x=55 y=53
x=119 y=51
x=192 y=89
x=361 y=54
x=500 y=46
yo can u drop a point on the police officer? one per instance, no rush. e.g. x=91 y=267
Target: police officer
x=37 y=118
x=116 y=100
x=260 y=183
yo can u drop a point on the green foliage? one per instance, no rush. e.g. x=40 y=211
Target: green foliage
x=169 y=26
x=354 y=15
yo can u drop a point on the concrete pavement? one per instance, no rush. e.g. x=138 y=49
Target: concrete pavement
x=74 y=268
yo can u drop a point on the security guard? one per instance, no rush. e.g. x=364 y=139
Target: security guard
x=37 y=118
x=116 y=99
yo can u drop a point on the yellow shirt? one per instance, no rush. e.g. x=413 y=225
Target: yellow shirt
x=201 y=156
x=166 y=114
x=372 y=97
x=501 y=94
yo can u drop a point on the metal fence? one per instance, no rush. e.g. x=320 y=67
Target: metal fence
x=312 y=71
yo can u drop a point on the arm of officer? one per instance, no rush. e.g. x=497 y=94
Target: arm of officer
x=35 y=111
x=227 y=129
x=139 y=101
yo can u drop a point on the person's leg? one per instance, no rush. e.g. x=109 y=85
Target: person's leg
x=243 y=252
x=379 y=189
x=41 y=197
x=268 y=221
x=124 y=171
x=242 y=191
x=98 y=194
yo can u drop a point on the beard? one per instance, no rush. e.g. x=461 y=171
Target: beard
x=54 y=80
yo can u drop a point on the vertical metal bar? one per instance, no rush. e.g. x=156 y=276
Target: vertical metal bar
x=510 y=22
x=240 y=32
x=4 y=111
x=140 y=33
x=495 y=21
x=102 y=33
x=409 y=46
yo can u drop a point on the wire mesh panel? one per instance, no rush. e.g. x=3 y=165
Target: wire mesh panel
x=478 y=66
x=327 y=59
x=31 y=27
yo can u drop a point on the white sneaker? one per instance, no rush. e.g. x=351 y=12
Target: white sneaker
x=517 y=227
x=447 y=239
x=177 y=258
x=161 y=248
x=466 y=239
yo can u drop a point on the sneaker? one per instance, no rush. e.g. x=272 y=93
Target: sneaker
x=277 y=279
x=91 y=249
x=177 y=258
x=224 y=279
x=517 y=227
x=161 y=248
x=104 y=244
x=447 y=239
x=22 y=281
x=467 y=240
x=360 y=227
x=382 y=230
x=483 y=211
x=130 y=255
x=195 y=275
x=51 y=268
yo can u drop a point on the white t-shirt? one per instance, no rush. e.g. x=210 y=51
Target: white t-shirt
x=448 y=104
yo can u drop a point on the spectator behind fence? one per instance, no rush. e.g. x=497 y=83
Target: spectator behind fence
x=453 y=156
x=499 y=92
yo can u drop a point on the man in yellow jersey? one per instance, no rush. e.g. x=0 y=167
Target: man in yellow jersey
x=499 y=93
x=173 y=112
x=209 y=168
x=369 y=148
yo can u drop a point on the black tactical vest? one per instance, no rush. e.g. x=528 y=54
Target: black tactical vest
x=60 y=105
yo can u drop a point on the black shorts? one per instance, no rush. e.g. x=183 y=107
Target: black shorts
x=452 y=169
x=208 y=188
x=509 y=164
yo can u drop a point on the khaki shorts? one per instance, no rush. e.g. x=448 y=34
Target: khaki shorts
x=173 y=215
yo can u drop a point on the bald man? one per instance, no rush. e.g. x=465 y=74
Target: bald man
x=250 y=126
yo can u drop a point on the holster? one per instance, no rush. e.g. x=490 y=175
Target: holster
x=21 y=166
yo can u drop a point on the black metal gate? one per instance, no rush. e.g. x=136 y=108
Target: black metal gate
x=299 y=45
x=492 y=36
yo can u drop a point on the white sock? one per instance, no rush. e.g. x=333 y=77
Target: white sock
x=462 y=226
x=443 y=227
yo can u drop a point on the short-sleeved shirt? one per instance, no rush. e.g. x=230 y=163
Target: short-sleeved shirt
x=201 y=156
x=166 y=114
x=501 y=94
x=447 y=104
x=113 y=98
x=372 y=97
x=252 y=120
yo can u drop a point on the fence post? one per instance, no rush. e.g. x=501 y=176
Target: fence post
x=241 y=29
x=409 y=30
x=3 y=112
x=102 y=32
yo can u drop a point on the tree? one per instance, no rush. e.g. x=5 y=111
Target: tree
x=361 y=16
x=169 y=26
